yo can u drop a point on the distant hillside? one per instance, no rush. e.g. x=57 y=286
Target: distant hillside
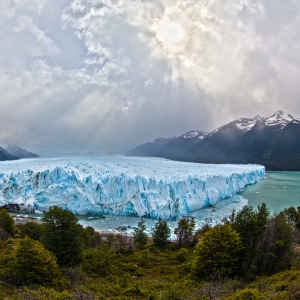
x=19 y=152
x=171 y=147
x=12 y=152
x=5 y=155
x=273 y=142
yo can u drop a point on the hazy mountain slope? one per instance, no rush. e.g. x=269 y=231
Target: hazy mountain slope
x=5 y=155
x=19 y=152
x=177 y=148
x=172 y=148
x=150 y=148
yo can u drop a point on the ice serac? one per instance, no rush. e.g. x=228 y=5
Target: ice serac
x=121 y=185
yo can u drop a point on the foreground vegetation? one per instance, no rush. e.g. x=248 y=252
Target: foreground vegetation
x=252 y=255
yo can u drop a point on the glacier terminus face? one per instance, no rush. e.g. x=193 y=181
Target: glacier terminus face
x=138 y=186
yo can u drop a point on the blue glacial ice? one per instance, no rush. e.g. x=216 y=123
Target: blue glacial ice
x=135 y=186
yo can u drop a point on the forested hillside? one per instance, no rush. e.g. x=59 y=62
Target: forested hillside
x=251 y=255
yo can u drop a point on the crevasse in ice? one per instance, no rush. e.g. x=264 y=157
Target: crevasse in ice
x=121 y=185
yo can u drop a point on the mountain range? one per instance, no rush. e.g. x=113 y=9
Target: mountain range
x=273 y=142
x=13 y=152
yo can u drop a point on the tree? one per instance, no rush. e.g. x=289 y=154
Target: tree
x=32 y=230
x=7 y=260
x=274 y=250
x=140 y=238
x=36 y=265
x=87 y=234
x=200 y=233
x=161 y=233
x=7 y=224
x=293 y=215
x=250 y=224
x=184 y=231
x=217 y=250
x=63 y=236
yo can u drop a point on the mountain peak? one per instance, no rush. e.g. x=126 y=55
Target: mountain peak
x=279 y=118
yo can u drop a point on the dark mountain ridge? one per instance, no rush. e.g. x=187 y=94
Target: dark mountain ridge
x=273 y=142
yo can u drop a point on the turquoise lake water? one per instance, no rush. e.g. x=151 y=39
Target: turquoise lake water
x=279 y=190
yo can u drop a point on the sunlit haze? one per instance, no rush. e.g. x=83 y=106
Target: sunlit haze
x=91 y=75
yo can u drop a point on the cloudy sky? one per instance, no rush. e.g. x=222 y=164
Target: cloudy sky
x=98 y=74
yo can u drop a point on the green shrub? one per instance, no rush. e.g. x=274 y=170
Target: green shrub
x=43 y=293
x=7 y=260
x=98 y=261
x=182 y=255
x=7 y=225
x=35 y=265
x=217 y=250
x=248 y=294
x=32 y=230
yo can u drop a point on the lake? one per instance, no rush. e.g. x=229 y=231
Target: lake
x=279 y=190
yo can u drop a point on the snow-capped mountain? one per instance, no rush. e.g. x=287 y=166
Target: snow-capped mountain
x=244 y=124
x=280 y=118
x=272 y=141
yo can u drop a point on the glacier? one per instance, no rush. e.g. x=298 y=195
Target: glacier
x=137 y=186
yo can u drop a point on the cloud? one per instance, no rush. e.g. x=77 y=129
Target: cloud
x=91 y=74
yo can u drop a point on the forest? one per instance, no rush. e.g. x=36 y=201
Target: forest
x=251 y=255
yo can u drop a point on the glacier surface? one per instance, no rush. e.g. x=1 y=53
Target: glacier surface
x=137 y=186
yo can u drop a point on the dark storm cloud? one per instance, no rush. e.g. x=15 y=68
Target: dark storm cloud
x=91 y=75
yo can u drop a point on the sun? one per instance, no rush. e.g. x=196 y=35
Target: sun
x=173 y=30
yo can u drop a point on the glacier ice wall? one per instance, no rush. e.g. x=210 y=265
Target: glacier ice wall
x=121 y=185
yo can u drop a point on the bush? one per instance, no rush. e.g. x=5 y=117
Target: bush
x=32 y=230
x=182 y=255
x=98 y=261
x=36 y=265
x=7 y=225
x=7 y=260
x=217 y=251
x=248 y=294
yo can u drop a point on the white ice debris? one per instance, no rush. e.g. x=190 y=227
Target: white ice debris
x=191 y=134
x=122 y=185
